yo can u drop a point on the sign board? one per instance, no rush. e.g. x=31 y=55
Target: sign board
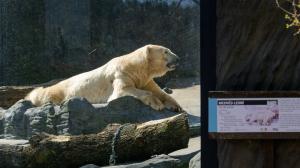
x=255 y=115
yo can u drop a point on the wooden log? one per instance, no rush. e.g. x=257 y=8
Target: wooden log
x=11 y=94
x=134 y=142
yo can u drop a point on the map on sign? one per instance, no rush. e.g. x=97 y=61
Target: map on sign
x=228 y=115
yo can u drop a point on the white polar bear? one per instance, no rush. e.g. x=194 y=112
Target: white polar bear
x=262 y=118
x=128 y=75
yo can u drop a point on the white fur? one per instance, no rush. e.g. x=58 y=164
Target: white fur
x=127 y=75
x=262 y=118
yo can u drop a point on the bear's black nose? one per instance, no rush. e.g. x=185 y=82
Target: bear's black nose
x=175 y=59
x=173 y=62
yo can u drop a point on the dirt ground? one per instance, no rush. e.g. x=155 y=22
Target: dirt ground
x=188 y=98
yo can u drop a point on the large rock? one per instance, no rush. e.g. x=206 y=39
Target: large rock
x=196 y=161
x=159 y=161
x=186 y=154
x=75 y=116
x=40 y=119
x=2 y=112
x=14 y=120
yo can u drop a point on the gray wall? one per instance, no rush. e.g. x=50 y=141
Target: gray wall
x=42 y=40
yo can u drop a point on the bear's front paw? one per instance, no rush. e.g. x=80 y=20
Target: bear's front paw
x=154 y=102
x=174 y=106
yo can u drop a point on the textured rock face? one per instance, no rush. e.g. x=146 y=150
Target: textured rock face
x=44 y=40
x=75 y=116
x=254 y=49
x=2 y=112
x=159 y=161
x=255 y=52
x=196 y=161
x=13 y=119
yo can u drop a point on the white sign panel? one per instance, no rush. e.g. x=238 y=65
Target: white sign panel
x=254 y=115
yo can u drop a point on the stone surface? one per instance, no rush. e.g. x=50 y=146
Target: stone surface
x=75 y=116
x=255 y=52
x=2 y=112
x=159 y=161
x=188 y=97
x=40 y=119
x=15 y=142
x=90 y=166
x=196 y=161
x=185 y=155
x=254 y=49
x=14 y=120
x=63 y=38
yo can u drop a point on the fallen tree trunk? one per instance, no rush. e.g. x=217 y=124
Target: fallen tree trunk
x=11 y=94
x=133 y=142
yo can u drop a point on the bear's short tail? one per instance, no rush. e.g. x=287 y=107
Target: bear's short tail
x=36 y=96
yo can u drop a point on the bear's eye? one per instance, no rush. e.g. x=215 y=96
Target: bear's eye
x=166 y=52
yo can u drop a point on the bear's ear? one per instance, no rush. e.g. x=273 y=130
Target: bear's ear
x=147 y=49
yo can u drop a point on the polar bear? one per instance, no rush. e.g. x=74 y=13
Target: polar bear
x=262 y=118
x=128 y=75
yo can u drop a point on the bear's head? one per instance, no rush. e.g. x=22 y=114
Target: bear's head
x=160 y=59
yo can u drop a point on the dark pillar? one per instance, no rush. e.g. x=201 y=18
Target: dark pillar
x=208 y=78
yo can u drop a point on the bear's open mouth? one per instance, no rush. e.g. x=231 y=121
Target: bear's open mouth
x=172 y=66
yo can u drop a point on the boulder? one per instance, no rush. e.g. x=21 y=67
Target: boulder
x=196 y=161
x=74 y=117
x=14 y=120
x=158 y=161
x=186 y=154
x=56 y=128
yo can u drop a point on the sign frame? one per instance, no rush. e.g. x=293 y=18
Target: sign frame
x=254 y=94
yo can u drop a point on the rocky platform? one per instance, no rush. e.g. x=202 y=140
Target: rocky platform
x=75 y=117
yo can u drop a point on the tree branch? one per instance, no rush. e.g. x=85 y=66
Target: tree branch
x=286 y=11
